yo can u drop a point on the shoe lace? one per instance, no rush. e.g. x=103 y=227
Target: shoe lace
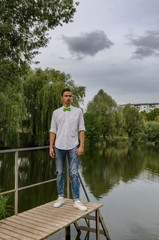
x=59 y=200
x=80 y=203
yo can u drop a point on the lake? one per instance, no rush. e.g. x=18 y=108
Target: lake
x=124 y=179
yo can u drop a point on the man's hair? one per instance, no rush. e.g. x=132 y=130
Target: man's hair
x=65 y=90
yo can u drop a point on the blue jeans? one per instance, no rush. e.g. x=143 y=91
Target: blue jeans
x=73 y=161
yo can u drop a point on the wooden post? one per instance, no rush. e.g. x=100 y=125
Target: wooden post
x=68 y=183
x=16 y=184
x=68 y=229
x=68 y=233
x=97 y=224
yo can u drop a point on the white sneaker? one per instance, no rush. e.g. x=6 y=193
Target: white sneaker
x=59 y=202
x=79 y=205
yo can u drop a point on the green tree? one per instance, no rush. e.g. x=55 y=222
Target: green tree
x=104 y=107
x=93 y=128
x=42 y=90
x=153 y=115
x=119 y=121
x=152 y=131
x=11 y=112
x=133 y=123
x=24 y=26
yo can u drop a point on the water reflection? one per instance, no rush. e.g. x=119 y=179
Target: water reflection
x=103 y=168
x=34 y=167
x=6 y=171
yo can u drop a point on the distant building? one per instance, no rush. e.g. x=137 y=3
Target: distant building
x=144 y=107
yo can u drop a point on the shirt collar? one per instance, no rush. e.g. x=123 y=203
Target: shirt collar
x=67 y=107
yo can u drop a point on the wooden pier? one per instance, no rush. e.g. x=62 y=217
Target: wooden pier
x=45 y=220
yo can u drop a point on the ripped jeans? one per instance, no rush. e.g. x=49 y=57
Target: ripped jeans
x=73 y=161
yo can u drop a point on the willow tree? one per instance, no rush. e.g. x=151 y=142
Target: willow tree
x=104 y=107
x=11 y=115
x=42 y=91
x=24 y=27
x=11 y=106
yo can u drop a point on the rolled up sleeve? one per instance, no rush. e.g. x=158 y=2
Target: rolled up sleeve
x=81 y=125
x=53 y=124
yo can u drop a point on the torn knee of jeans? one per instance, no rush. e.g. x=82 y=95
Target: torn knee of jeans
x=59 y=173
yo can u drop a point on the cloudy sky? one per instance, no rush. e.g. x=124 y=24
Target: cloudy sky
x=111 y=45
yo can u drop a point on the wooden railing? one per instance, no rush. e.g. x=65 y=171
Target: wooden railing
x=16 y=188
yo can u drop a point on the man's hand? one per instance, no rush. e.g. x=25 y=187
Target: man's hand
x=80 y=151
x=51 y=152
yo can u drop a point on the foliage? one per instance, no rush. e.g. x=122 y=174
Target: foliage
x=27 y=106
x=24 y=26
x=93 y=128
x=119 y=121
x=153 y=115
x=117 y=140
x=152 y=131
x=42 y=91
x=104 y=107
x=11 y=112
x=133 y=123
x=3 y=206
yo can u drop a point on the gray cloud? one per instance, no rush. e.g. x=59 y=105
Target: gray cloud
x=147 y=45
x=88 y=43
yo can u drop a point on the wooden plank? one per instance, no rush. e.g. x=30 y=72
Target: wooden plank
x=90 y=217
x=35 y=217
x=31 y=223
x=90 y=229
x=54 y=227
x=24 y=227
x=19 y=231
x=63 y=210
x=14 y=236
x=54 y=217
x=45 y=216
x=6 y=237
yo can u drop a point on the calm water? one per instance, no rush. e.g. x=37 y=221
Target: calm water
x=124 y=179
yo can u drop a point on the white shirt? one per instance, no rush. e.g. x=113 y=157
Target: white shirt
x=66 y=124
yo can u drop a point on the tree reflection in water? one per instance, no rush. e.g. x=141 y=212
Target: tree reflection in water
x=34 y=167
x=103 y=168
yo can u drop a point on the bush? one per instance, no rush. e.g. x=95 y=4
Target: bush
x=117 y=140
x=3 y=206
x=152 y=132
x=93 y=128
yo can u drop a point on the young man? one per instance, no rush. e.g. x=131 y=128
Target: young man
x=66 y=122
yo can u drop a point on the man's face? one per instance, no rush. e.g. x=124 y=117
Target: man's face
x=66 y=98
